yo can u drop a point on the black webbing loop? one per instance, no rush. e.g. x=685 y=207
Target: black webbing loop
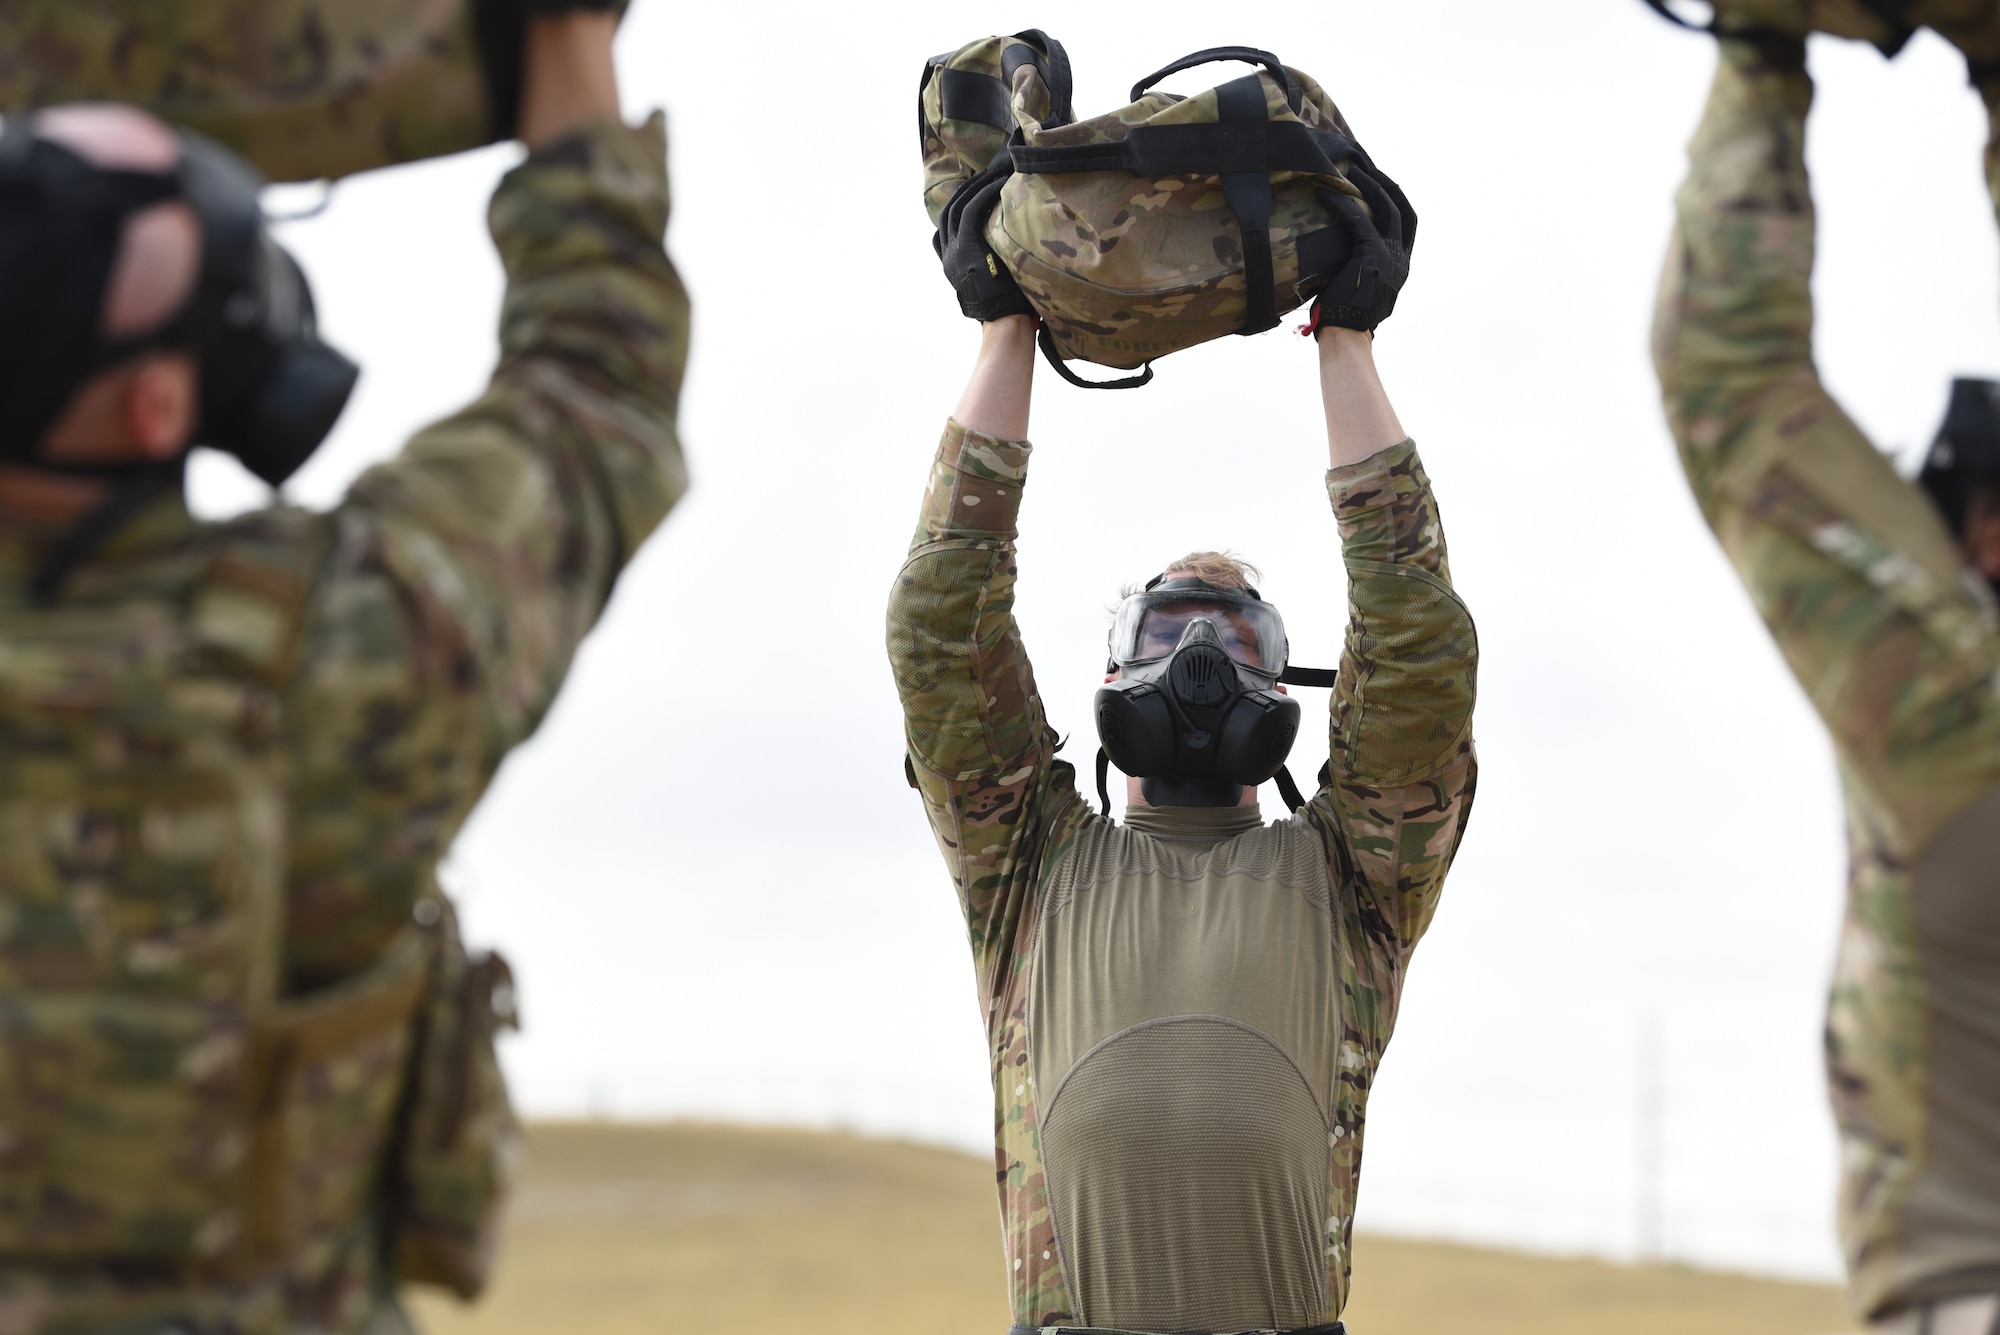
x=964 y=95
x=1207 y=149
x=1295 y=96
x=1055 y=359
x=1052 y=62
x=1248 y=194
x=1103 y=782
x=1305 y=676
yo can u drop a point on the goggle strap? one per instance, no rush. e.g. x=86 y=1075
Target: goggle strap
x=1288 y=789
x=1305 y=676
x=1103 y=782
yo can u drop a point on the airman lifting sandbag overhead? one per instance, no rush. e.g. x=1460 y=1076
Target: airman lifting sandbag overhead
x=1185 y=1012
x=247 y=1079
x=1879 y=594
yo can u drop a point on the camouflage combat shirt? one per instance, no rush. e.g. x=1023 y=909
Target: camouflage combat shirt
x=1896 y=643
x=1185 y=1012
x=438 y=609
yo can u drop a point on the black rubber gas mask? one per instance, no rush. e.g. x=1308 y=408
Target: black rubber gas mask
x=270 y=390
x=1964 y=458
x=1196 y=716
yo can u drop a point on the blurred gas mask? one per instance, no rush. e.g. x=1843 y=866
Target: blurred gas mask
x=1196 y=716
x=1964 y=458
x=270 y=390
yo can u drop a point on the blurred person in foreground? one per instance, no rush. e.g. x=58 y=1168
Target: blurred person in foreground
x=246 y=1075
x=1879 y=593
x=1185 y=1011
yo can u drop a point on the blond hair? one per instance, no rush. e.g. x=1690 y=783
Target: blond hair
x=1224 y=570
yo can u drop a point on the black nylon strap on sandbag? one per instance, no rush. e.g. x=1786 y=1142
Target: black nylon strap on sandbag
x=1047 y=342
x=1305 y=676
x=1322 y=254
x=1295 y=96
x=1208 y=149
x=967 y=96
x=1248 y=194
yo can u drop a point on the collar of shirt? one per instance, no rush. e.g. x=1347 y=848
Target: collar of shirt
x=1194 y=825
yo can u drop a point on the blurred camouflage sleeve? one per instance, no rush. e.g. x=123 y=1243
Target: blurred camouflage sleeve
x=1403 y=769
x=461 y=575
x=1852 y=568
x=980 y=750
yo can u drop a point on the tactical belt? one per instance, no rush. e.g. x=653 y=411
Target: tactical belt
x=1336 y=1328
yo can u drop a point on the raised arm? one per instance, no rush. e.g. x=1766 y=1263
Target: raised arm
x=980 y=749
x=1402 y=762
x=461 y=575
x=1851 y=566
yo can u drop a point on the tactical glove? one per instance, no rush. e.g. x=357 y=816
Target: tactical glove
x=986 y=291
x=1363 y=294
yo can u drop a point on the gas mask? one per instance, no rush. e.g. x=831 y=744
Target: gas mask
x=270 y=390
x=1964 y=457
x=1196 y=716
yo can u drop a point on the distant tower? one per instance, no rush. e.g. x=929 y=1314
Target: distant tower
x=1649 y=1139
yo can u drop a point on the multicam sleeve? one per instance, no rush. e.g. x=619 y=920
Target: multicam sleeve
x=1402 y=769
x=980 y=749
x=462 y=574
x=1400 y=781
x=1852 y=568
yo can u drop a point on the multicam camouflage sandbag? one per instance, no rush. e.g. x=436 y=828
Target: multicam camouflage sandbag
x=1166 y=223
x=460 y=1139
x=305 y=89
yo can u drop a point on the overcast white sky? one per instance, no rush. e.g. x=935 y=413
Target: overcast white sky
x=718 y=892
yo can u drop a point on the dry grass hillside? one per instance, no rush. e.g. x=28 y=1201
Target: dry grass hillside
x=687 y=1227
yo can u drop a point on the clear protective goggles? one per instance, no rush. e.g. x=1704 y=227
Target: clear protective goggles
x=1149 y=625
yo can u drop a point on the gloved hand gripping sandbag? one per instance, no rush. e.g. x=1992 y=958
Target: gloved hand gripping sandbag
x=305 y=89
x=1166 y=223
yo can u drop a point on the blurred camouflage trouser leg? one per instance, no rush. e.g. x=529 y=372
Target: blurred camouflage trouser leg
x=1977 y=1315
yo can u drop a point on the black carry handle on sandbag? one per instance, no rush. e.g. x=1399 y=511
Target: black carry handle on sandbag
x=1295 y=96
